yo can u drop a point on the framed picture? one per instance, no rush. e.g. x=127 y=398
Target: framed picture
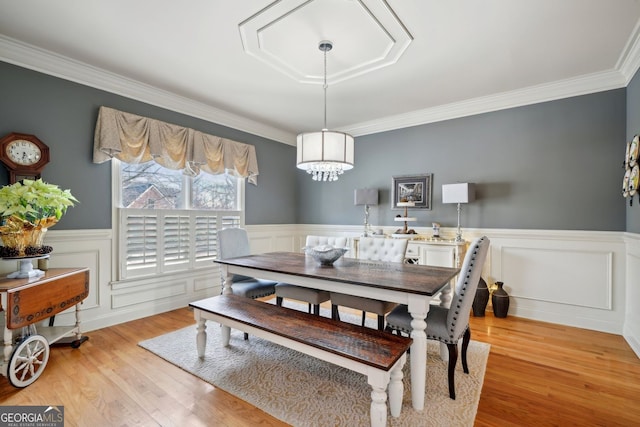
x=416 y=188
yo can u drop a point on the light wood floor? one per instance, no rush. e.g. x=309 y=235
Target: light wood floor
x=537 y=374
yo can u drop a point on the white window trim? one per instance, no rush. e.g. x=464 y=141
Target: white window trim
x=119 y=251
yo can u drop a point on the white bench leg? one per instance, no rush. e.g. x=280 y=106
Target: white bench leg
x=201 y=335
x=378 y=407
x=396 y=388
x=379 y=380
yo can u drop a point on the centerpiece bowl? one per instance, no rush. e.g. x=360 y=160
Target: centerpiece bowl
x=325 y=254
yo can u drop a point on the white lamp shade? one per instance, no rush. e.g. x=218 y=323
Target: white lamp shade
x=365 y=196
x=325 y=146
x=458 y=193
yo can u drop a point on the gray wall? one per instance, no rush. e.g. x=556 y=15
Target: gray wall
x=63 y=115
x=554 y=165
x=633 y=128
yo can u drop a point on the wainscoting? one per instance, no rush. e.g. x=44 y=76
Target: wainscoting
x=578 y=278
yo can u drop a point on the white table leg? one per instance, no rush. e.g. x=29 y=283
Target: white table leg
x=226 y=290
x=396 y=388
x=445 y=295
x=201 y=335
x=225 y=333
x=418 y=310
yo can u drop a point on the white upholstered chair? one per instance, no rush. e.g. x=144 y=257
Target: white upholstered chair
x=232 y=243
x=374 y=249
x=314 y=297
x=449 y=325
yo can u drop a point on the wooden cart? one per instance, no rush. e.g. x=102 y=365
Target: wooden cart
x=27 y=301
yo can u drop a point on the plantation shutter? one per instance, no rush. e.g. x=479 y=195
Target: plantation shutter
x=159 y=241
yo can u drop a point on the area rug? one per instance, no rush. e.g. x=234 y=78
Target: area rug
x=303 y=391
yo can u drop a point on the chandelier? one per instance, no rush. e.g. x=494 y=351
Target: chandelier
x=325 y=155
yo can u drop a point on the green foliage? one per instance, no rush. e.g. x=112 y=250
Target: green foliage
x=34 y=201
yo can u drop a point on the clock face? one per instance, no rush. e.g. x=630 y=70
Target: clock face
x=23 y=152
x=23 y=155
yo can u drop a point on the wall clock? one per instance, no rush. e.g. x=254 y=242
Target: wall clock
x=24 y=156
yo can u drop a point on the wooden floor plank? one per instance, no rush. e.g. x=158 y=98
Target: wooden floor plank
x=537 y=374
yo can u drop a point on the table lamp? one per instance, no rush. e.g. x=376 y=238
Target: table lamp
x=367 y=197
x=458 y=193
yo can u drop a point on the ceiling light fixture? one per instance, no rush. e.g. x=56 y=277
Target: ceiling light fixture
x=326 y=154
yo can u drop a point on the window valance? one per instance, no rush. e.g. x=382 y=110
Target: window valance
x=136 y=139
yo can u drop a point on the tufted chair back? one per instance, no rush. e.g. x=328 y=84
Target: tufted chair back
x=465 y=291
x=337 y=242
x=381 y=249
x=232 y=243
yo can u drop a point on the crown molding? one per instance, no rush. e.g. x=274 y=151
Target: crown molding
x=625 y=69
x=34 y=58
x=28 y=56
x=629 y=60
x=583 y=85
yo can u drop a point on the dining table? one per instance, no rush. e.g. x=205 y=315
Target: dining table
x=409 y=284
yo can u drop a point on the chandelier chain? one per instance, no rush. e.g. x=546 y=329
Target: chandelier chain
x=324 y=86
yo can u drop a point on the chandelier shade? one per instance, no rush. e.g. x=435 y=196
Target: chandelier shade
x=325 y=154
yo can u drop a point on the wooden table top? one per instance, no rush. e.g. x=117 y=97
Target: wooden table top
x=53 y=273
x=410 y=278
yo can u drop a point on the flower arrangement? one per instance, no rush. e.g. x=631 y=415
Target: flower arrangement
x=28 y=209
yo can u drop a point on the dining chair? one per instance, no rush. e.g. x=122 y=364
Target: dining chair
x=234 y=242
x=450 y=325
x=313 y=297
x=373 y=249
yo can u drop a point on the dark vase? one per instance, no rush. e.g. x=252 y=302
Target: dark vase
x=500 y=301
x=481 y=299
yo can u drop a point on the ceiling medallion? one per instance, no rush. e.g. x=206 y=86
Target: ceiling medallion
x=375 y=37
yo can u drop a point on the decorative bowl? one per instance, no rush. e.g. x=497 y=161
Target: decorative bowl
x=325 y=254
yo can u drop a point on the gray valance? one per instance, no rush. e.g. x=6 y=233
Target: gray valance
x=136 y=139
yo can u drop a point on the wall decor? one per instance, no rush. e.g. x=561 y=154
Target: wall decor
x=411 y=188
x=632 y=172
x=24 y=156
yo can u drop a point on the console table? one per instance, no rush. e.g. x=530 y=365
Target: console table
x=437 y=252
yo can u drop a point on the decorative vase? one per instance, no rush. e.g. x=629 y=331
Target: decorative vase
x=20 y=237
x=481 y=299
x=500 y=301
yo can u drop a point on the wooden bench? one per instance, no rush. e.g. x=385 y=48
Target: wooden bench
x=378 y=355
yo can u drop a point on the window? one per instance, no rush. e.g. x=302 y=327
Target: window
x=168 y=221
